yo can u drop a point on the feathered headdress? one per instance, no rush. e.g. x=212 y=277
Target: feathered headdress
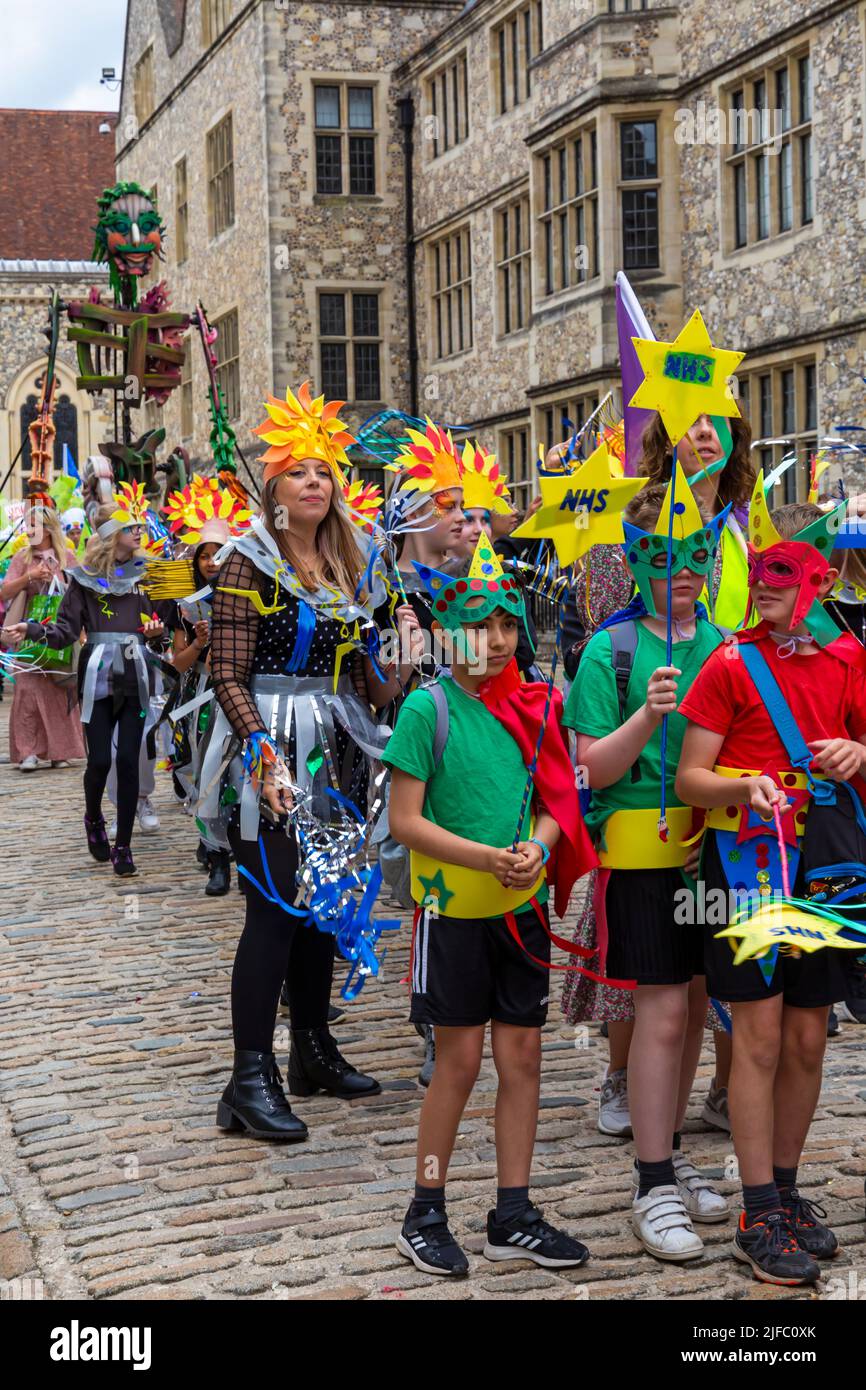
x=428 y=462
x=484 y=484
x=302 y=428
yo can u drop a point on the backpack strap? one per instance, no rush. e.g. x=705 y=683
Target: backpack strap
x=786 y=725
x=443 y=720
x=623 y=645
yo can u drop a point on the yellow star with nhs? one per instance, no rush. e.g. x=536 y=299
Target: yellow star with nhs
x=686 y=378
x=581 y=509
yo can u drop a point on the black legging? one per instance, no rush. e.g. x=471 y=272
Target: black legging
x=130 y=727
x=273 y=948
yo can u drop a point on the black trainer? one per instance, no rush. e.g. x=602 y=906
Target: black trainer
x=428 y=1243
x=771 y=1248
x=530 y=1237
x=812 y=1236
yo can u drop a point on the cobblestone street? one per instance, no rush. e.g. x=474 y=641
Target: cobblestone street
x=114 y=1047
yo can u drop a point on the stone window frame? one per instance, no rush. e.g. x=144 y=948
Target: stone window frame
x=325 y=77
x=515 y=458
x=215 y=18
x=574 y=212
x=187 y=404
x=626 y=185
x=623 y=6
x=450 y=289
x=345 y=133
x=181 y=210
x=513 y=267
x=766 y=393
x=226 y=176
x=350 y=339
x=577 y=406
x=143 y=88
x=451 y=82
x=228 y=368
x=739 y=171
x=515 y=40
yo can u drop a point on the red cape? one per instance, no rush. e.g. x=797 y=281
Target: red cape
x=519 y=707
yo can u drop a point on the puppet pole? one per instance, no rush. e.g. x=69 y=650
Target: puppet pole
x=669 y=648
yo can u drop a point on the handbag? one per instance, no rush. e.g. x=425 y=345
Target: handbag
x=43 y=608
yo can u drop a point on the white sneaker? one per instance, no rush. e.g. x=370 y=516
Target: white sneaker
x=715 y=1111
x=662 y=1225
x=29 y=764
x=147 y=817
x=613 y=1114
x=700 y=1198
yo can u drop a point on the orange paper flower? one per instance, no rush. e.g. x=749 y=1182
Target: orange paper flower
x=302 y=428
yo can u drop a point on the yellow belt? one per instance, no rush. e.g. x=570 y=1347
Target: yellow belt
x=459 y=892
x=728 y=817
x=631 y=839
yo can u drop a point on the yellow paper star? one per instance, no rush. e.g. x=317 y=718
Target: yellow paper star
x=581 y=509
x=788 y=927
x=686 y=378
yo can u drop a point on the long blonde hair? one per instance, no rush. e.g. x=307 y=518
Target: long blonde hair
x=100 y=556
x=340 y=554
x=52 y=528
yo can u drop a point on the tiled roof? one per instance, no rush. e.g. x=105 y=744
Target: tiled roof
x=53 y=166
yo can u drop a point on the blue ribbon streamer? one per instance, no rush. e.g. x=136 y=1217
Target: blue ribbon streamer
x=303 y=639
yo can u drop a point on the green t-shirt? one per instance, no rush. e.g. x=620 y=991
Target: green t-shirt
x=477 y=787
x=593 y=708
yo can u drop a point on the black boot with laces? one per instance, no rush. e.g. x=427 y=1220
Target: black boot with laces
x=316 y=1064
x=254 y=1100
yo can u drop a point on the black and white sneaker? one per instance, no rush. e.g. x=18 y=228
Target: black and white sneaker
x=770 y=1246
x=428 y=1243
x=530 y=1237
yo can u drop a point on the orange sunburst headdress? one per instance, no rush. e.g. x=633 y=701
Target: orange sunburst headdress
x=428 y=462
x=204 y=511
x=364 y=501
x=302 y=428
x=484 y=483
x=131 y=510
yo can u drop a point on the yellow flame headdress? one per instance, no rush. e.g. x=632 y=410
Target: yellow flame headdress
x=484 y=484
x=429 y=461
x=302 y=428
x=364 y=501
x=205 y=511
x=131 y=510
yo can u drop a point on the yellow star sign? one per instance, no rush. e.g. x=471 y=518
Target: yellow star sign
x=686 y=378
x=788 y=927
x=581 y=509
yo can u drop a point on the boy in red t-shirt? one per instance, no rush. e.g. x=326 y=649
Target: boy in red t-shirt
x=780 y=1022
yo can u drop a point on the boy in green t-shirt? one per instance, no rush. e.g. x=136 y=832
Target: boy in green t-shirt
x=618 y=719
x=481 y=945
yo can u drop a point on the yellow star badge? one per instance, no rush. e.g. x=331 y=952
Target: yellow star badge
x=581 y=509
x=788 y=927
x=686 y=378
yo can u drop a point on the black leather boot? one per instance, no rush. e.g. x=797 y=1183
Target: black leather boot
x=315 y=1064
x=254 y=1100
x=219 y=869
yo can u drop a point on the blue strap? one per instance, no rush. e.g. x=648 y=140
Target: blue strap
x=786 y=725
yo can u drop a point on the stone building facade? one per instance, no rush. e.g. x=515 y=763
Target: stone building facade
x=430 y=201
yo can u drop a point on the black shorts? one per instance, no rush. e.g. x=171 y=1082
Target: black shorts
x=467 y=971
x=646 y=941
x=805 y=982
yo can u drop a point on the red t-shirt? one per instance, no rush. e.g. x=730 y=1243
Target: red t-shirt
x=826 y=696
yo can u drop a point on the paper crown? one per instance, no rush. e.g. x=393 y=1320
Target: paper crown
x=302 y=428
x=428 y=462
x=473 y=598
x=694 y=542
x=821 y=533
x=484 y=483
x=130 y=510
x=204 y=511
x=365 y=502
